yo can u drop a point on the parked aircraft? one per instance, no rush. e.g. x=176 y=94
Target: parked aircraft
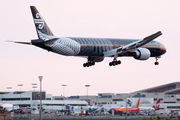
x=95 y=49
x=94 y=107
x=121 y=110
x=154 y=107
x=7 y=107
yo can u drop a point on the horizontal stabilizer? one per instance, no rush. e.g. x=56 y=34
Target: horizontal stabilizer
x=27 y=43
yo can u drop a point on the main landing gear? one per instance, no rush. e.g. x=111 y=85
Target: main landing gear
x=157 y=63
x=115 y=62
x=89 y=63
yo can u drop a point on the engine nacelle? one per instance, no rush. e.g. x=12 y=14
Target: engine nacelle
x=142 y=54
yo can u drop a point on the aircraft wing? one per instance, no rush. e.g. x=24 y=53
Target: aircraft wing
x=132 y=46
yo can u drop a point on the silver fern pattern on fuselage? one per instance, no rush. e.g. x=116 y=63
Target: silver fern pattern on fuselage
x=93 y=46
x=66 y=46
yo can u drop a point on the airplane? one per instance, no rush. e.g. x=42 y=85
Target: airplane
x=94 y=107
x=154 y=107
x=7 y=107
x=121 y=110
x=88 y=109
x=94 y=49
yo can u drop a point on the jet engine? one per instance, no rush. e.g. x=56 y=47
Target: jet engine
x=142 y=54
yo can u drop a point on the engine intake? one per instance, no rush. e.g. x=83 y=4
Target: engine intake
x=142 y=54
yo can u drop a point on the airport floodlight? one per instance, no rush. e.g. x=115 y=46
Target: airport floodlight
x=63 y=94
x=20 y=84
x=40 y=78
x=33 y=84
x=34 y=87
x=87 y=85
x=9 y=88
x=87 y=91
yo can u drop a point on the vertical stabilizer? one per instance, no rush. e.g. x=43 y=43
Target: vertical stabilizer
x=95 y=102
x=42 y=28
x=156 y=106
x=137 y=105
x=158 y=101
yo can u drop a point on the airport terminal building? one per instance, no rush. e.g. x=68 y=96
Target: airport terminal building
x=168 y=93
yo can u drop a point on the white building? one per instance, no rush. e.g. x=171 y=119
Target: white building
x=32 y=98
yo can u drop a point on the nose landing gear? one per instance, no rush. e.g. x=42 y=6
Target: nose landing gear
x=157 y=63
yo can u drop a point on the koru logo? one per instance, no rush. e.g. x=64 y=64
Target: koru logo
x=39 y=21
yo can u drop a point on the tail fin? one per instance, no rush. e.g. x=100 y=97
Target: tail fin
x=158 y=101
x=156 y=106
x=137 y=105
x=95 y=102
x=42 y=29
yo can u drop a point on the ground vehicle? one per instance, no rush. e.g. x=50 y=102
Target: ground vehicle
x=30 y=110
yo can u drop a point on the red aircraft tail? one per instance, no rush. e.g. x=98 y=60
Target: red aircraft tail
x=137 y=105
x=158 y=101
x=156 y=106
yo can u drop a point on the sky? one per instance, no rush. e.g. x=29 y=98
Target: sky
x=22 y=64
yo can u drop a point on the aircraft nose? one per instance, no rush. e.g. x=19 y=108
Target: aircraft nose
x=163 y=49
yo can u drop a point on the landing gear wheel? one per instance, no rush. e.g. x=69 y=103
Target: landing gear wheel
x=119 y=62
x=84 y=65
x=89 y=63
x=114 y=63
x=156 y=63
x=110 y=64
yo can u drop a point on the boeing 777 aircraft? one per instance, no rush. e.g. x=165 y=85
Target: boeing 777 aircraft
x=95 y=49
x=7 y=107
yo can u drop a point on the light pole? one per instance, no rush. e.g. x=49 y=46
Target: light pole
x=20 y=92
x=87 y=91
x=126 y=108
x=40 y=79
x=9 y=88
x=34 y=86
x=63 y=94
